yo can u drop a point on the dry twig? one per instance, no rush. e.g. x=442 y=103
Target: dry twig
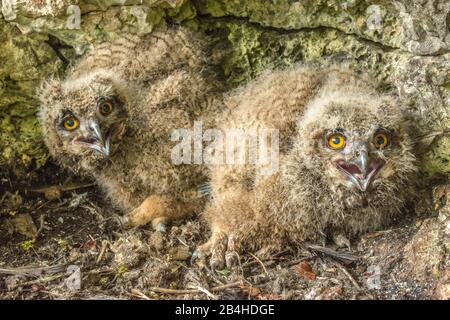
x=34 y=271
x=260 y=262
x=192 y=291
x=344 y=257
x=349 y=276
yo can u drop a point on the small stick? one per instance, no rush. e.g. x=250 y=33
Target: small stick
x=346 y=258
x=139 y=294
x=102 y=251
x=205 y=291
x=188 y=291
x=172 y=291
x=63 y=188
x=33 y=271
x=41 y=280
x=349 y=276
x=260 y=262
x=226 y=286
x=41 y=227
x=43 y=204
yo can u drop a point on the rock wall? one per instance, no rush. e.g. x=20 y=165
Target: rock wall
x=404 y=44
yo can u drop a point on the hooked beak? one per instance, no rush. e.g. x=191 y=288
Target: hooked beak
x=96 y=140
x=362 y=170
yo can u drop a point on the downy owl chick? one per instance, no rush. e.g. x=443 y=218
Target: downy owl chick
x=345 y=163
x=111 y=118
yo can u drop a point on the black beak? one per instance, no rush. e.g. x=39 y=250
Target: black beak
x=361 y=170
x=96 y=140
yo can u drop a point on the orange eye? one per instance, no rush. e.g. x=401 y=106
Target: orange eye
x=336 y=141
x=380 y=139
x=70 y=123
x=105 y=108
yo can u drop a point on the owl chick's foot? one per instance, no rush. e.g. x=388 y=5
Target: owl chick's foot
x=198 y=255
x=232 y=256
x=223 y=252
x=218 y=250
x=160 y=224
x=124 y=221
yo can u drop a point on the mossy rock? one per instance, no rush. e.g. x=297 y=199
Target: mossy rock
x=404 y=44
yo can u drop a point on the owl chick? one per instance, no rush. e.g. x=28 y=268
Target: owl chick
x=345 y=164
x=111 y=118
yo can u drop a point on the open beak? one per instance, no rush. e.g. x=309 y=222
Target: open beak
x=96 y=140
x=362 y=170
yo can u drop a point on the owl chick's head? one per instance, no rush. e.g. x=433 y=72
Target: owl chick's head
x=83 y=119
x=356 y=140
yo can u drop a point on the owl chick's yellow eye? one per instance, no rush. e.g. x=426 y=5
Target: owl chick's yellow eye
x=105 y=108
x=380 y=140
x=70 y=123
x=336 y=141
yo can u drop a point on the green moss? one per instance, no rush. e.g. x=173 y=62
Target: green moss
x=181 y=14
x=248 y=49
x=27 y=59
x=437 y=160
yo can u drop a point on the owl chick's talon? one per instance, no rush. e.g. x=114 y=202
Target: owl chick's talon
x=217 y=263
x=124 y=221
x=198 y=255
x=231 y=259
x=160 y=224
x=161 y=227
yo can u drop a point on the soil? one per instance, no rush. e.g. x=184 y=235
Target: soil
x=61 y=240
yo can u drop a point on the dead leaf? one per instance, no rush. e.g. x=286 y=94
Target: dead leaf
x=305 y=270
x=90 y=245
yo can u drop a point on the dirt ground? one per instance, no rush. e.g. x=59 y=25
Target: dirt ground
x=60 y=240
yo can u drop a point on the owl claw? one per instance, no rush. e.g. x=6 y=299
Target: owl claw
x=231 y=259
x=198 y=255
x=161 y=227
x=125 y=222
x=217 y=263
